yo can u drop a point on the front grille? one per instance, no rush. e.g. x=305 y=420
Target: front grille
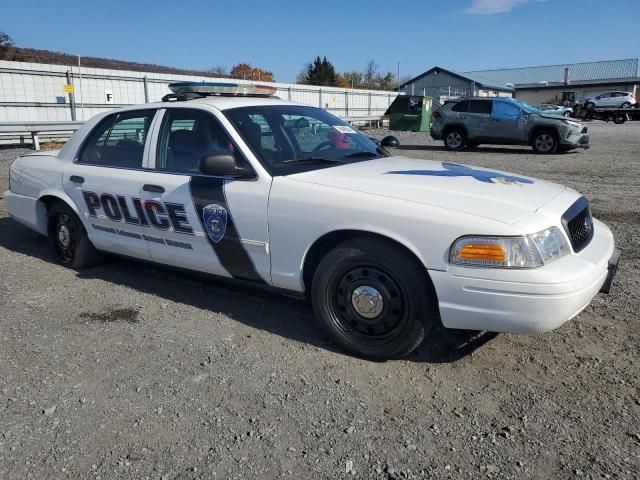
x=578 y=224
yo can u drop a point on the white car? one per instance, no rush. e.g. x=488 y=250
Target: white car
x=611 y=100
x=287 y=196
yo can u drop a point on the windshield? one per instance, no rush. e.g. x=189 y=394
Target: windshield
x=291 y=139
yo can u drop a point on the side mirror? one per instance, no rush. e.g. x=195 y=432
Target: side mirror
x=390 y=141
x=223 y=165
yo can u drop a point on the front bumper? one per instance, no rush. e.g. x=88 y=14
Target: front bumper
x=527 y=300
x=576 y=141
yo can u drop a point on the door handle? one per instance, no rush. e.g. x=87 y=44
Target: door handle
x=153 y=188
x=76 y=179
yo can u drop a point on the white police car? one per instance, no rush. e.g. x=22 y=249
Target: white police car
x=227 y=180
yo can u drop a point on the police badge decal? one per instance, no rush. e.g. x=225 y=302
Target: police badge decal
x=214 y=217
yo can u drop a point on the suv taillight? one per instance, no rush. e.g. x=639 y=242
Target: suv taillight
x=435 y=114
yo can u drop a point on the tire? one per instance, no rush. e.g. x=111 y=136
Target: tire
x=68 y=238
x=566 y=114
x=373 y=299
x=545 y=142
x=455 y=139
x=625 y=105
x=619 y=118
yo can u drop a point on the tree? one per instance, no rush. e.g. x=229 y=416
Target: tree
x=321 y=72
x=247 y=72
x=354 y=79
x=370 y=74
x=6 y=45
x=219 y=71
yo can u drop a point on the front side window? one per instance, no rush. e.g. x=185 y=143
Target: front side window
x=186 y=136
x=118 y=141
x=505 y=110
x=291 y=138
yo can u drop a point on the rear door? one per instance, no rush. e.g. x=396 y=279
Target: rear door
x=104 y=182
x=508 y=124
x=200 y=222
x=479 y=120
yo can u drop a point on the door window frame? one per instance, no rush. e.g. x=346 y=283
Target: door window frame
x=114 y=115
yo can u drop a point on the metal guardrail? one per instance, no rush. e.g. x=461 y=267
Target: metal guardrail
x=36 y=128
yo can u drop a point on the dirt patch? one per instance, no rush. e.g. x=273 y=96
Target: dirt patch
x=129 y=315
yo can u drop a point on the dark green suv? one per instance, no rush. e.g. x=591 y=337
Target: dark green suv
x=468 y=122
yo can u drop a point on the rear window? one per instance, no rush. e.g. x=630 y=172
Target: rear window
x=461 y=106
x=480 y=106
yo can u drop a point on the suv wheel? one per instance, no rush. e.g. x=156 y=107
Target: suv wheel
x=68 y=238
x=372 y=299
x=545 y=142
x=455 y=139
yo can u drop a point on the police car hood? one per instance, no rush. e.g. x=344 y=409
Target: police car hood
x=497 y=195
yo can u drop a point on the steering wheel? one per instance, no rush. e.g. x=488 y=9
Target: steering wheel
x=326 y=145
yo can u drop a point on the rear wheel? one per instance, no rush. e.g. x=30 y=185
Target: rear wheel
x=68 y=238
x=373 y=299
x=619 y=118
x=626 y=105
x=455 y=139
x=545 y=142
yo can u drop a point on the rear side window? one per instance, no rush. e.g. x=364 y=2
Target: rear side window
x=461 y=106
x=118 y=141
x=480 y=106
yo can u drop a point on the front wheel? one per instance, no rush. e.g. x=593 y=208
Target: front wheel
x=373 y=299
x=566 y=114
x=545 y=143
x=68 y=238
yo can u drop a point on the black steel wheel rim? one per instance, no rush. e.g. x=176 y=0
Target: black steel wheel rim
x=374 y=322
x=65 y=237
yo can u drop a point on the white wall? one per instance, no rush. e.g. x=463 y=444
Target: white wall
x=34 y=92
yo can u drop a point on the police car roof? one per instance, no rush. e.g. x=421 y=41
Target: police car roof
x=220 y=102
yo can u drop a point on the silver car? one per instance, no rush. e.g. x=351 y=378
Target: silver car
x=610 y=100
x=557 y=110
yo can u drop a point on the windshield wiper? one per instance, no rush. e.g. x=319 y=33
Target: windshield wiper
x=364 y=153
x=313 y=160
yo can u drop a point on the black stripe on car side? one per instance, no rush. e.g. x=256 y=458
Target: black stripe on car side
x=229 y=249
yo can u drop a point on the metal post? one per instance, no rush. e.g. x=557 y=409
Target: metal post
x=289 y=93
x=72 y=100
x=80 y=89
x=346 y=103
x=319 y=98
x=369 y=106
x=146 y=89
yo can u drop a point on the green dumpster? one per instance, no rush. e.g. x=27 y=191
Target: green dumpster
x=410 y=113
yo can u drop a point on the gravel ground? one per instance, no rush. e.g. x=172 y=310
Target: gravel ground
x=127 y=371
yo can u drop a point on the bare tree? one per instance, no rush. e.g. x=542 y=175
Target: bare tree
x=219 y=71
x=370 y=73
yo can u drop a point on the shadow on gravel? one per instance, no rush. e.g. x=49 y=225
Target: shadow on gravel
x=283 y=316
x=481 y=149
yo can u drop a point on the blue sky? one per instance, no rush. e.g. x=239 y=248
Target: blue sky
x=282 y=36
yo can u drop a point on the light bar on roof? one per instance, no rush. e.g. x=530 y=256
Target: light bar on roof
x=222 y=88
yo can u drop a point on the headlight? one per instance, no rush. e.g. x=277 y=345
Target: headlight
x=551 y=244
x=510 y=252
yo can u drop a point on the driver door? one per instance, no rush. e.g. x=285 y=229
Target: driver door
x=211 y=224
